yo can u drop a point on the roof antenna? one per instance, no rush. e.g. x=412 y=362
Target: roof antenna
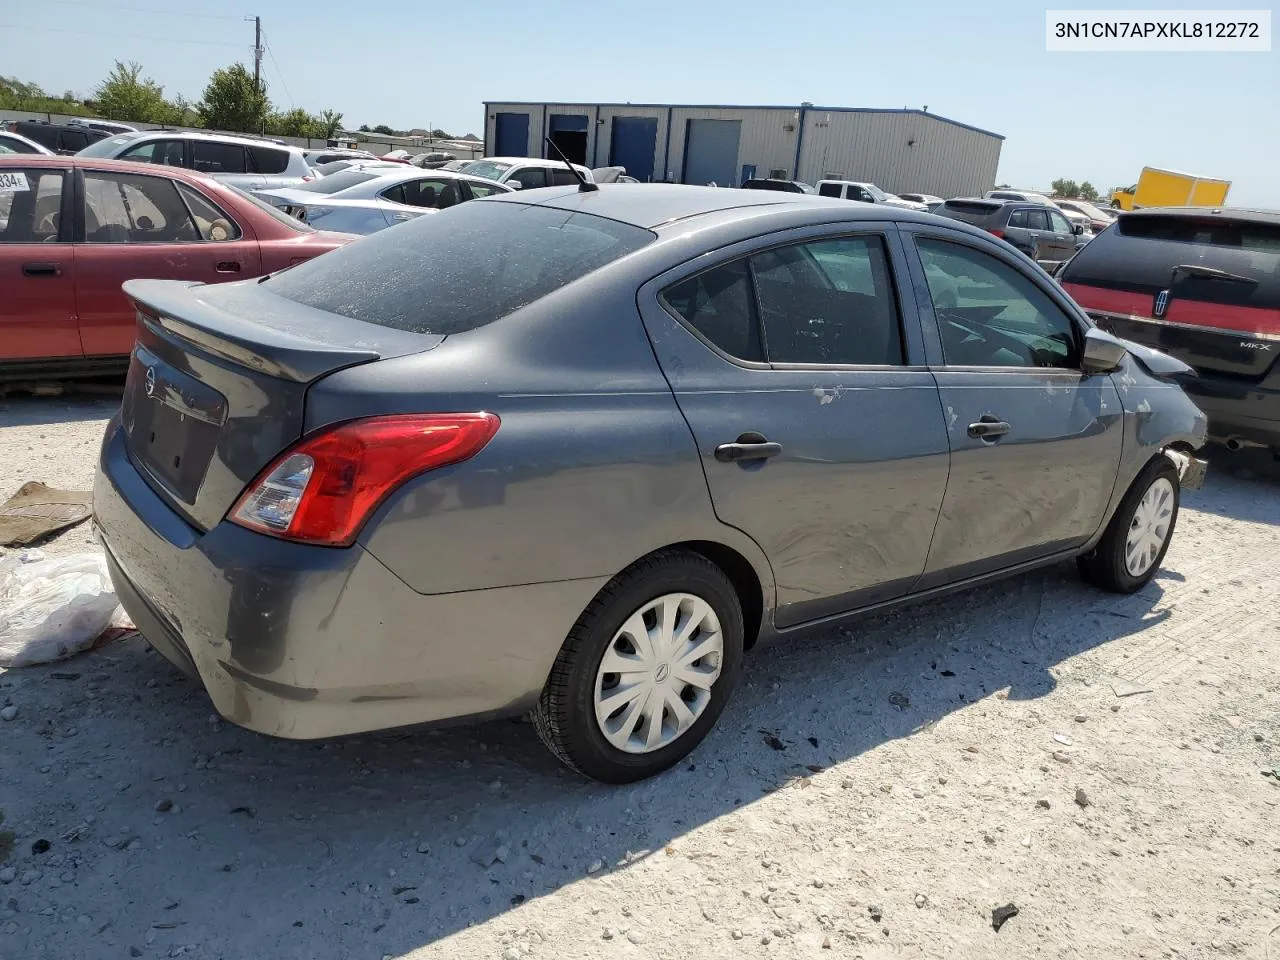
x=583 y=185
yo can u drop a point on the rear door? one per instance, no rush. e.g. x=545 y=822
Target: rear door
x=819 y=427
x=137 y=226
x=37 y=266
x=1204 y=289
x=1035 y=444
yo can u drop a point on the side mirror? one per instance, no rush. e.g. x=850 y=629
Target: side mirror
x=1103 y=353
x=514 y=184
x=1078 y=229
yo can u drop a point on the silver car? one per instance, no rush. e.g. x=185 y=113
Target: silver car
x=246 y=162
x=365 y=199
x=577 y=451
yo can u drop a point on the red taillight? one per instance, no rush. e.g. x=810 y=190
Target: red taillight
x=997 y=233
x=323 y=489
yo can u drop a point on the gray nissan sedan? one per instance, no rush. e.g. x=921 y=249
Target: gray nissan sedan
x=575 y=452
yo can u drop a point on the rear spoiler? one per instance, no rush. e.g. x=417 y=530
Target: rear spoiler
x=260 y=334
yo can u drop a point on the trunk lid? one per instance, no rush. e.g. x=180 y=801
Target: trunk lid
x=1203 y=288
x=218 y=379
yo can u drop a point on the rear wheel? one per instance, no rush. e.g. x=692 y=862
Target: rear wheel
x=646 y=670
x=1136 y=540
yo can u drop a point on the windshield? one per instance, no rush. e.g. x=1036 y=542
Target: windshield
x=461 y=269
x=341 y=180
x=876 y=192
x=265 y=207
x=486 y=168
x=110 y=146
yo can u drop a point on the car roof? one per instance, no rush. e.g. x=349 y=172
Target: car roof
x=105 y=163
x=653 y=205
x=1237 y=214
x=527 y=162
x=206 y=135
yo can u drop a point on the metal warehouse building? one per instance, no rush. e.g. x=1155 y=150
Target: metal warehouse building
x=899 y=150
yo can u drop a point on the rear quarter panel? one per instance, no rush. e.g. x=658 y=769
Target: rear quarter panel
x=592 y=468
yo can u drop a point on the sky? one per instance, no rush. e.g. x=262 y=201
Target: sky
x=1099 y=117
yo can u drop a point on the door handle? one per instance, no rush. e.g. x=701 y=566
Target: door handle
x=227 y=266
x=41 y=270
x=988 y=428
x=749 y=446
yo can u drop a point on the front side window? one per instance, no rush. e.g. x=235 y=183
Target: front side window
x=164 y=152
x=30 y=205
x=1059 y=223
x=436 y=193
x=212 y=223
x=479 y=190
x=129 y=208
x=991 y=315
x=530 y=178
x=487 y=169
x=210 y=156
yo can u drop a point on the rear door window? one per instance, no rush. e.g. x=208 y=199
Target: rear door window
x=210 y=156
x=562 y=178
x=1018 y=218
x=449 y=274
x=829 y=190
x=268 y=160
x=828 y=302
x=1037 y=219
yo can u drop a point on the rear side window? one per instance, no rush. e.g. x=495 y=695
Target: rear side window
x=210 y=156
x=460 y=270
x=720 y=306
x=829 y=190
x=211 y=222
x=268 y=159
x=1139 y=254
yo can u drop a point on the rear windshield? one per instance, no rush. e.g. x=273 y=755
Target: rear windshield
x=338 y=181
x=486 y=168
x=967 y=210
x=268 y=209
x=460 y=269
x=110 y=146
x=1138 y=253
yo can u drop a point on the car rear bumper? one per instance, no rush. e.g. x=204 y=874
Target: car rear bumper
x=305 y=642
x=1245 y=411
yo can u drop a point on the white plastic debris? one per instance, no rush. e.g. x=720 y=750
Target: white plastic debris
x=54 y=609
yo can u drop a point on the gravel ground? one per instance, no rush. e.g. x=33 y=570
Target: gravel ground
x=876 y=791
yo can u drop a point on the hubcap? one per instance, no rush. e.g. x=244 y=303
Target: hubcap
x=656 y=675
x=1149 y=528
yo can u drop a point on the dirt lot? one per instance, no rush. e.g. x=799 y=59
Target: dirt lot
x=926 y=767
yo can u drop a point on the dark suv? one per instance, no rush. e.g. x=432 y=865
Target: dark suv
x=1041 y=232
x=58 y=137
x=1203 y=285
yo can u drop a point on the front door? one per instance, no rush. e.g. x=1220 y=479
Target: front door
x=136 y=225
x=37 y=267
x=1035 y=444
x=819 y=428
x=1061 y=238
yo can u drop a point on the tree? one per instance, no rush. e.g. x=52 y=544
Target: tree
x=439 y=134
x=127 y=95
x=1088 y=191
x=330 y=123
x=17 y=95
x=386 y=131
x=233 y=102
x=293 y=123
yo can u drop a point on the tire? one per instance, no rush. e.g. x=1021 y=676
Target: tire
x=1106 y=565
x=566 y=714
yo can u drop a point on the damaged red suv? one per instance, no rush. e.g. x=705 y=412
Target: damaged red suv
x=72 y=230
x=1204 y=286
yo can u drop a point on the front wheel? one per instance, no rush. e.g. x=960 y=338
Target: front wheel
x=1130 y=552
x=646 y=670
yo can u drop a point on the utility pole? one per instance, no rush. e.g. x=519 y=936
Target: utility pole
x=257 y=54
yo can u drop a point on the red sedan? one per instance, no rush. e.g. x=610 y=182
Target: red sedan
x=72 y=230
